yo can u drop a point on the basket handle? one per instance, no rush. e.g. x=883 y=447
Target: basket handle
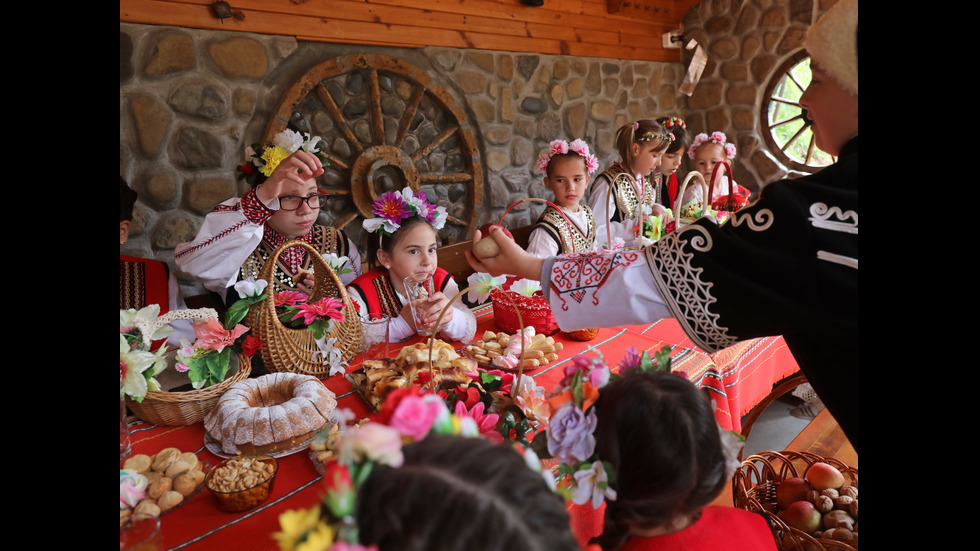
x=679 y=201
x=520 y=322
x=723 y=165
x=535 y=199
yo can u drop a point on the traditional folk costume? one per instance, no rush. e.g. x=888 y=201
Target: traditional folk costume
x=552 y=235
x=234 y=243
x=374 y=293
x=666 y=186
x=622 y=207
x=785 y=265
x=718 y=529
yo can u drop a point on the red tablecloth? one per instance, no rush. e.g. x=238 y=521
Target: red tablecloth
x=737 y=378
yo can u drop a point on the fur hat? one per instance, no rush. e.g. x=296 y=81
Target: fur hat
x=832 y=43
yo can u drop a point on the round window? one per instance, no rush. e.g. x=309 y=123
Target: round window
x=788 y=132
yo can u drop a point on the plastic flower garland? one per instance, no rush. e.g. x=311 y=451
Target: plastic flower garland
x=393 y=207
x=716 y=137
x=264 y=160
x=560 y=147
x=407 y=415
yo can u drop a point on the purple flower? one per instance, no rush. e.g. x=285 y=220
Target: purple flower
x=570 y=438
x=631 y=360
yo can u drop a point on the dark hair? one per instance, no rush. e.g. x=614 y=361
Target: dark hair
x=127 y=198
x=633 y=132
x=467 y=494
x=682 y=139
x=387 y=243
x=569 y=155
x=660 y=435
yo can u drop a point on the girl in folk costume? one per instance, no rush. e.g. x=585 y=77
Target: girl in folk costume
x=640 y=145
x=241 y=234
x=671 y=459
x=665 y=178
x=707 y=151
x=567 y=167
x=786 y=264
x=406 y=230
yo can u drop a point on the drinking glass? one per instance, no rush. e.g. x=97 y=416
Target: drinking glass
x=374 y=345
x=418 y=287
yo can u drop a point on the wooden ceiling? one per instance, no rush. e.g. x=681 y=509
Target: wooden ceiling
x=623 y=29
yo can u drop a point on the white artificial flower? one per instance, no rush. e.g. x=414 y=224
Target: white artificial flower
x=526 y=287
x=329 y=354
x=251 y=287
x=337 y=263
x=589 y=486
x=290 y=140
x=482 y=284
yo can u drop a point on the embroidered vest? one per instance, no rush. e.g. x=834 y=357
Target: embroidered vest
x=380 y=296
x=143 y=282
x=621 y=184
x=566 y=234
x=325 y=239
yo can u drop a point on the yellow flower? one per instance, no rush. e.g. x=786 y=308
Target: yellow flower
x=273 y=155
x=302 y=530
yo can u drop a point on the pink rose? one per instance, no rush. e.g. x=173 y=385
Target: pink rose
x=415 y=415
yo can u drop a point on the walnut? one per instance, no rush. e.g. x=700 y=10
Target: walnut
x=851 y=491
x=831 y=493
x=843 y=502
x=838 y=519
x=852 y=509
x=824 y=504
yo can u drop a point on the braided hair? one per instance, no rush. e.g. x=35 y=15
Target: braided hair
x=660 y=435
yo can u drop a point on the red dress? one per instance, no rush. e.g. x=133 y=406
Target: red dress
x=718 y=529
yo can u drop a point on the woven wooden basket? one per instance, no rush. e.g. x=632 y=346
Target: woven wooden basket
x=679 y=201
x=754 y=489
x=185 y=408
x=292 y=350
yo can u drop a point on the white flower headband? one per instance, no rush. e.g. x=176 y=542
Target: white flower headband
x=558 y=147
x=716 y=137
x=393 y=207
x=264 y=160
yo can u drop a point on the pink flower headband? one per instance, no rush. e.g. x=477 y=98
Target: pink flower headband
x=561 y=147
x=716 y=137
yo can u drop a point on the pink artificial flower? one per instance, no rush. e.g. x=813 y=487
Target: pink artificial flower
x=579 y=146
x=344 y=546
x=558 y=146
x=325 y=307
x=213 y=336
x=543 y=161
x=486 y=423
x=181 y=368
x=415 y=416
x=288 y=298
x=719 y=137
x=534 y=406
x=730 y=150
x=591 y=163
x=373 y=441
x=507 y=379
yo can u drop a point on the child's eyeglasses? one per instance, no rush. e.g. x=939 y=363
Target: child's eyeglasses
x=291 y=202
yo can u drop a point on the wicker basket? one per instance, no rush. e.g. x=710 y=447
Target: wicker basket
x=292 y=350
x=730 y=202
x=679 y=201
x=185 y=408
x=754 y=489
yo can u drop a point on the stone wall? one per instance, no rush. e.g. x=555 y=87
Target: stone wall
x=746 y=42
x=192 y=100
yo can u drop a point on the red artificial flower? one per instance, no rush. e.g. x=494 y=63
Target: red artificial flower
x=247 y=168
x=251 y=345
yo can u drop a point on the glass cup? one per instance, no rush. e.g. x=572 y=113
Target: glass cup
x=374 y=343
x=140 y=532
x=418 y=287
x=124 y=446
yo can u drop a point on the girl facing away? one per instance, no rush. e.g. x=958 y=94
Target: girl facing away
x=665 y=180
x=407 y=243
x=239 y=236
x=567 y=167
x=617 y=193
x=659 y=433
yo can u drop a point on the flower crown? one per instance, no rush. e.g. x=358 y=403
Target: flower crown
x=672 y=122
x=716 y=137
x=559 y=147
x=395 y=206
x=407 y=415
x=647 y=136
x=263 y=160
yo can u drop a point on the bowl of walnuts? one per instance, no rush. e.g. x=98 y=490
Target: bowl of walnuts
x=242 y=482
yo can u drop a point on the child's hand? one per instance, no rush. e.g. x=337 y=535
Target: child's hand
x=433 y=306
x=306 y=284
x=660 y=210
x=298 y=167
x=512 y=260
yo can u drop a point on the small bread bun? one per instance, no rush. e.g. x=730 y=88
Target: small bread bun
x=301 y=275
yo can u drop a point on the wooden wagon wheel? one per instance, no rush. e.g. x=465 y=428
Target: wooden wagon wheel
x=386 y=126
